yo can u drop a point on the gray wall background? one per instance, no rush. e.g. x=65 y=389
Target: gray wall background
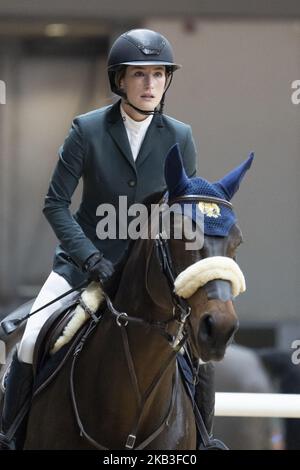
x=234 y=89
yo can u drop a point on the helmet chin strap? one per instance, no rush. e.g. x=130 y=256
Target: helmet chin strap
x=159 y=110
x=141 y=111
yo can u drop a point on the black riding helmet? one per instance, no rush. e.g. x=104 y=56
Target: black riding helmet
x=140 y=47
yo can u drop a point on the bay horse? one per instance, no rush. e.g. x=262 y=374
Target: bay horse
x=121 y=389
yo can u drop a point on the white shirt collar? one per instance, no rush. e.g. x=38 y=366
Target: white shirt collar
x=136 y=131
x=132 y=124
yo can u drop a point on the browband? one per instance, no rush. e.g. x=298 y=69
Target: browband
x=197 y=198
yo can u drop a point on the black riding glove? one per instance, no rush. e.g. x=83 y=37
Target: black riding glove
x=99 y=268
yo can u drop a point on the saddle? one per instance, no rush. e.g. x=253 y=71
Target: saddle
x=61 y=333
x=56 y=341
x=45 y=364
x=50 y=331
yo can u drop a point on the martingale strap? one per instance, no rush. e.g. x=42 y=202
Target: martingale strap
x=131 y=439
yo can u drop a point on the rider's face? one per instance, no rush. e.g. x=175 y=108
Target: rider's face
x=144 y=87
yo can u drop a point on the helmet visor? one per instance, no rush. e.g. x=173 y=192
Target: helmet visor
x=145 y=62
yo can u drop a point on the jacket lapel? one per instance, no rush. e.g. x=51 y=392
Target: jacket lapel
x=117 y=131
x=148 y=142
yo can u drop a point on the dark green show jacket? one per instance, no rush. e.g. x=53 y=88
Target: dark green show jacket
x=97 y=149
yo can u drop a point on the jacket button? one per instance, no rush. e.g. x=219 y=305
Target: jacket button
x=131 y=183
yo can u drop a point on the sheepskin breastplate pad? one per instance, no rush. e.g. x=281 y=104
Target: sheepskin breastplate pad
x=93 y=298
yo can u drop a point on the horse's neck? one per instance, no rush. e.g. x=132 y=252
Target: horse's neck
x=124 y=397
x=148 y=348
x=132 y=295
x=132 y=358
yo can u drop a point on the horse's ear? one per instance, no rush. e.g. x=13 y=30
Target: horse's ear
x=230 y=183
x=175 y=175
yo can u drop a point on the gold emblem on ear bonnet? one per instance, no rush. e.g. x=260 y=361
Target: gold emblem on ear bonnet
x=210 y=209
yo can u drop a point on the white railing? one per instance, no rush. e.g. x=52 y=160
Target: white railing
x=257 y=405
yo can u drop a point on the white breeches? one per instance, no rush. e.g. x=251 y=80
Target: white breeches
x=54 y=286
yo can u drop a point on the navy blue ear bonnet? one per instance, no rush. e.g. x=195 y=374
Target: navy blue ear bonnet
x=218 y=217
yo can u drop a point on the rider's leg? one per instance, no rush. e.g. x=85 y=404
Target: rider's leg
x=20 y=377
x=54 y=286
x=205 y=394
x=205 y=400
x=18 y=386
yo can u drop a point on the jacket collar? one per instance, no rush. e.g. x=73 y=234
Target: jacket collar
x=117 y=130
x=114 y=114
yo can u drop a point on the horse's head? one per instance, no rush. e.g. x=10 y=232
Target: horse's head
x=207 y=277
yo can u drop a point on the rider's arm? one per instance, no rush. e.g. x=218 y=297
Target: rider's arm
x=67 y=173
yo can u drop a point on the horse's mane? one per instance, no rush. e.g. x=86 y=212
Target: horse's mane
x=153 y=198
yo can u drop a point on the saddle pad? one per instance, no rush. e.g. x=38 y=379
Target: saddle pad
x=49 y=332
x=52 y=365
x=62 y=332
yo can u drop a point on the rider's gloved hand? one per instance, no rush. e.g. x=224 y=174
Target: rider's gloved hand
x=99 y=268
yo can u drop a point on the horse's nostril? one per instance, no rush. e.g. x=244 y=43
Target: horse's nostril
x=207 y=327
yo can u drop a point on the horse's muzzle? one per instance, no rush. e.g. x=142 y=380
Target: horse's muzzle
x=215 y=333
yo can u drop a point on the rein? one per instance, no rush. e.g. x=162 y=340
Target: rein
x=130 y=442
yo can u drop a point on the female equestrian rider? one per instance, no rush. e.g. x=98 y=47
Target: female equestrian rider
x=116 y=150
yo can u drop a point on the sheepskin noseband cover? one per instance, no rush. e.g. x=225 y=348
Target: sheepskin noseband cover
x=208 y=269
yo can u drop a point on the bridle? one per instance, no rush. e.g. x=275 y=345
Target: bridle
x=181 y=314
